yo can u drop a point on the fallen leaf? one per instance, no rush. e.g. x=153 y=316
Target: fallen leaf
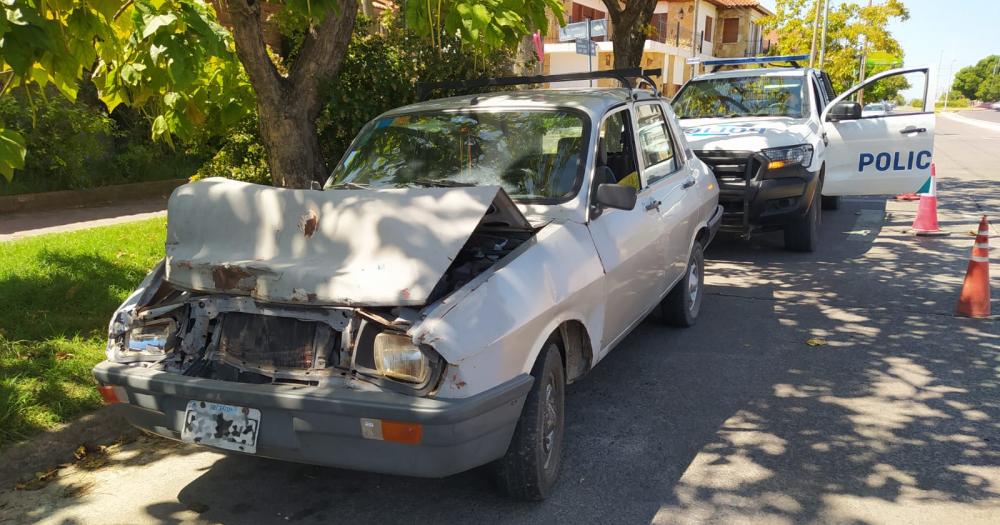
x=973 y=233
x=41 y=479
x=815 y=341
x=62 y=356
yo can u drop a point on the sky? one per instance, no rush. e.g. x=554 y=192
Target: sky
x=946 y=34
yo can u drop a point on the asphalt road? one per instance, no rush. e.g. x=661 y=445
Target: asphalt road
x=829 y=387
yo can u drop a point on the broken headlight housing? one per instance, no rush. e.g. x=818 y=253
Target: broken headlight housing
x=396 y=357
x=152 y=339
x=800 y=155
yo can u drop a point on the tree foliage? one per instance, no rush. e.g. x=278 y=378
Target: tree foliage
x=848 y=25
x=981 y=81
x=168 y=57
x=173 y=59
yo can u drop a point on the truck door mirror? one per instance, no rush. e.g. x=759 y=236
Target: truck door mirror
x=617 y=196
x=844 y=110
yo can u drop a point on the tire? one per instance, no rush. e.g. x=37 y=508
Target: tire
x=803 y=235
x=831 y=202
x=530 y=468
x=681 y=306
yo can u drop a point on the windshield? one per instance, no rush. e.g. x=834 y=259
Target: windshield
x=735 y=97
x=532 y=155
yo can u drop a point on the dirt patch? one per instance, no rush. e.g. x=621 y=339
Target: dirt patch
x=22 y=462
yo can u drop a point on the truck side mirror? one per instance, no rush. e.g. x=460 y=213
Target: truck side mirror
x=844 y=110
x=617 y=196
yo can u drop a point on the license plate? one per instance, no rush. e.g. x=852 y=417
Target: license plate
x=223 y=426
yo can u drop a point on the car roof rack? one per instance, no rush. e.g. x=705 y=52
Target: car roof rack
x=720 y=62
x=622 y=75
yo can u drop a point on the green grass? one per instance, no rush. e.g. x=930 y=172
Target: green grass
x=57 y=294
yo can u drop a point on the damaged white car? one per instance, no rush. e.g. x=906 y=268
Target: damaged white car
x=422 y=314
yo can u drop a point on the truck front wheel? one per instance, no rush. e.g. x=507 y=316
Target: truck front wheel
x=803 y=234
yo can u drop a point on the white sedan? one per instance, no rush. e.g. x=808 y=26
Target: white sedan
x=423 y=313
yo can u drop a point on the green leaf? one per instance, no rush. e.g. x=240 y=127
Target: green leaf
x=481 y=15
x=12 y=152
x=155 y=51
x=154 y=23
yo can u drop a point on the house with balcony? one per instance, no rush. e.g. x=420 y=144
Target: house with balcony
x=679 y=30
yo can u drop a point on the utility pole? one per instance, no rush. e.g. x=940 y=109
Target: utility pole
x=694 y=34
x=812 y=48
x=822 y=43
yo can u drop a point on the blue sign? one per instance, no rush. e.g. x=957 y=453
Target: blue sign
x=579 y=30
x=586 y=47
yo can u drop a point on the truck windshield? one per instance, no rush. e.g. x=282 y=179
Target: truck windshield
x=533 y=155
x=736 y=97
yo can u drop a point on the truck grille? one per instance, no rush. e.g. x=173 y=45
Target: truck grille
x=734 y=171
x=269 y=342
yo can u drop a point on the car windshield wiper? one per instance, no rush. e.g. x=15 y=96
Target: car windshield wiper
x=351 y=185
x=440 y=183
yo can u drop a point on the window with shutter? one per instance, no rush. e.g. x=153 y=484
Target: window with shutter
x=730 y=30
x=708 y=28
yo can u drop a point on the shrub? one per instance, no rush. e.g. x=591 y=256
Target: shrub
x=241 y=157
x=67 y=142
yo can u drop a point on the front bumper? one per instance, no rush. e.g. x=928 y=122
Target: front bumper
x=755 y=198
x=322 y=425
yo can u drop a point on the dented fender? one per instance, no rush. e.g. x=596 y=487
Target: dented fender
x=496 y=327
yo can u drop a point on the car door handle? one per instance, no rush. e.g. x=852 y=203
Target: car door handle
x=912 y=129
x=689 y=182
x=653 y=205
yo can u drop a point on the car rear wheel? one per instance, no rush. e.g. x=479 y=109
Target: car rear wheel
x=529 y=469
x=681 y=306
x=803 y=235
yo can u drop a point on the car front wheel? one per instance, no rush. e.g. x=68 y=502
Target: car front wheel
x=529 y=469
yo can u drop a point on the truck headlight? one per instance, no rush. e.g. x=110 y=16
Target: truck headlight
x=151 y=339
x=788 y=156
x=398 y=358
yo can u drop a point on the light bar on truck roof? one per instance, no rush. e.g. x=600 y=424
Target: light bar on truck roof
x=719 y=62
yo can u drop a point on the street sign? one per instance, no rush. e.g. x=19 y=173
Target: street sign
x=579 y=30
x=586 y=47
x=692 y=60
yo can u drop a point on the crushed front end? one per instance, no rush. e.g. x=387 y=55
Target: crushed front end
x=233 y=362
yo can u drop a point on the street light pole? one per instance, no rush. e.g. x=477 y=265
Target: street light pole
x=812 y=48
x=822 y=43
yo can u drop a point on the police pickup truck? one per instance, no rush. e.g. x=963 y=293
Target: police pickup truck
x=783 y=146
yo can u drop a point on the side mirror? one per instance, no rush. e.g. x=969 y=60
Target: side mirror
x=844 y=110
x=617 y=196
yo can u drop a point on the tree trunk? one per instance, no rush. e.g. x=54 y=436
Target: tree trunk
x=287 y=107
x=524 y=60
x=628 y=30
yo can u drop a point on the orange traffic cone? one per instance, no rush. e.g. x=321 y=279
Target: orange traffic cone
x=974 y=300
x=926 y=222
x=912 y=196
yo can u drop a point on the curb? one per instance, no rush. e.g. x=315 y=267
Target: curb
x=971 y=121
x=20 y=461
x=87 y=198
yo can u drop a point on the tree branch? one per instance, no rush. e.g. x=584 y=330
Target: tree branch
x=244 y=15
x=322 y=53
x=614 y=8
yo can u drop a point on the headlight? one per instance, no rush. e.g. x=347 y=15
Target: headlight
x=398 y=358
x=152 y=339
x=791 y=156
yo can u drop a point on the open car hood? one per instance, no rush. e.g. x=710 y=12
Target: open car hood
x=333 y=247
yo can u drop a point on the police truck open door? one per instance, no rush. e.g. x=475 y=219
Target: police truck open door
x=880 y=153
